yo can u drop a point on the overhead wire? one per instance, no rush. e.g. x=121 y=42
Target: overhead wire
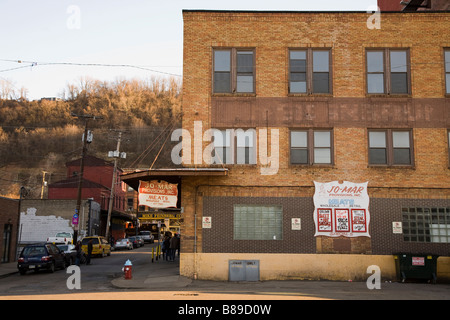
x=35 y=64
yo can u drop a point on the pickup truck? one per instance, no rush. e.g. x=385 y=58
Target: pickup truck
x=61 y=237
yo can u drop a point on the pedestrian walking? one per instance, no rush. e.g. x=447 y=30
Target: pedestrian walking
x=166 y=246
x=173 y=247
x=79 y=253
x=90 y=247
x=179 y=244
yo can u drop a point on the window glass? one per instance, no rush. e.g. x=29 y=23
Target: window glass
x=447 y=77
x=299 y=145
x=392 y=79
x=245 y=61
x=375 y=61
x=299 y=139
x=299 y=156
x=322 y=156
x=399 y=68
x=297 y=65
x=253 y=222
x=377 y=156
x=222 y=147
x=426 y=225
x=222 y=82
x=222 y=61
x=377 y=139
x=322 y=139
x=245 y=151
x=447 y=71
x=400 y=139
x=399 y=83
x=375 y=83
x=297 y=55
x=321 y=61
x=244 y=84
x=401 y=143
x=398 y=61
x=402 y=156
x=447 y=61
x=321 y=83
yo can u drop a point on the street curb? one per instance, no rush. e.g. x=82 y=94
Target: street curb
x=152 y=282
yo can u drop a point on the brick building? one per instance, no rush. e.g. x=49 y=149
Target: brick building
x=296 y=98
x=9 y=216
x=97 y=178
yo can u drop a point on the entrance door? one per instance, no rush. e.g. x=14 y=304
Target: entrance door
x=6 y=242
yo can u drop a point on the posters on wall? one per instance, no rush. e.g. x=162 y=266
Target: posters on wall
x=158 y=194
x=341 y=209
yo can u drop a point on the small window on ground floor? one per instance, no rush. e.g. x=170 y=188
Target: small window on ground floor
x=255 y=222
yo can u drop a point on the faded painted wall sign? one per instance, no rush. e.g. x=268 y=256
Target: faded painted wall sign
x=341 y=209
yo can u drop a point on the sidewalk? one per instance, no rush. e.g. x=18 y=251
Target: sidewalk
x=162 y=280
x=163 y=277
x=7 y=269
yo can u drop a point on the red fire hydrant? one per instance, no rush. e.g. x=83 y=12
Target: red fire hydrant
x=127 y=270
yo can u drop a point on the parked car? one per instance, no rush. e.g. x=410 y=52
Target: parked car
x=70 y=254
x=135 y=241
x=100 y=246
x=147 y=236
x=124 y=244
x=61 y=237
x=141 y=240
x=41 y=256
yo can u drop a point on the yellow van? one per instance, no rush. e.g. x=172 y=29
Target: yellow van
x=99 y=246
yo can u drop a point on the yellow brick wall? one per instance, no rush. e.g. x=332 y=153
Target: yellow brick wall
x=272 y=34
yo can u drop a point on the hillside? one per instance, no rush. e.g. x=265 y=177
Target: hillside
x=38 y=136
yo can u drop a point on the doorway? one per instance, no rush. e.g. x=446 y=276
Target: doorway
x=6 y=242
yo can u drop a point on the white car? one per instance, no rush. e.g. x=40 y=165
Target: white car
x=147 y=236
x=123 y=244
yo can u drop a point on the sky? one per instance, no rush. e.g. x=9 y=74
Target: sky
x=145 y=37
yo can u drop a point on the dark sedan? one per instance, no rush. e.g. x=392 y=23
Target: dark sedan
x=41 y=256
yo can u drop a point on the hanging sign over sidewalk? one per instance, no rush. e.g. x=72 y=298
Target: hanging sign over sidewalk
x=341 y=209
x=158 y=194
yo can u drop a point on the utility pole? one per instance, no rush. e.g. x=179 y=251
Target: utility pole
x=44 y=184
x=86 y=139
x=116 y=155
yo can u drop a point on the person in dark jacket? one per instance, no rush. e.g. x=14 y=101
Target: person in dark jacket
x=90 y=247
x=174 y=242
x=166 y=247
x=79 y=253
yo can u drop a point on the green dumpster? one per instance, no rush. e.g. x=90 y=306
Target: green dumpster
x=416 y=266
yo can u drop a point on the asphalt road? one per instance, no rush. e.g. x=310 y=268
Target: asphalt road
x=160 y=281
x=95 y=277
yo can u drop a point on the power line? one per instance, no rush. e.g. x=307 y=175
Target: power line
x=34 y=64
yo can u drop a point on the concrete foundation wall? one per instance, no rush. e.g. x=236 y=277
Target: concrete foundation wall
x=337 y=267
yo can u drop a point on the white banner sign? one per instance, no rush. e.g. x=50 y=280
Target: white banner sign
x=158 y=194
x=341 y=209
